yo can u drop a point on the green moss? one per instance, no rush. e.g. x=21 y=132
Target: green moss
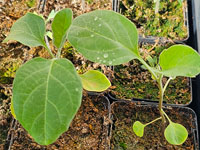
x=8 y=69
x=169 y=22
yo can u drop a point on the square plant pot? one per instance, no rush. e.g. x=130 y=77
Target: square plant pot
x=88 y=130
x=133 y=81
x=171 y=21
x=124 y=114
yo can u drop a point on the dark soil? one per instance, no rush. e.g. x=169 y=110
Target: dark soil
x=131 y=80
x=126 y=113
x=168 y=23
x=88 y=130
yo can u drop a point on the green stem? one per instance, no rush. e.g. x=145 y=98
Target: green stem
x=153 y=121
x=58 y=53
x=166 y=84
x=161 y=90
x=48 y=47
x=166 y=116
x=148 y=68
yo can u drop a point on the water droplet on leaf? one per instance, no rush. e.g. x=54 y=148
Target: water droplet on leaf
x=105 y=55
x=95 y=19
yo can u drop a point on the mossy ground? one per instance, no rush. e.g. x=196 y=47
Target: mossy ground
x=133 y=81
x=168 y=23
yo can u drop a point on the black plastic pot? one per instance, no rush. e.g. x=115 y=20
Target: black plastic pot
x=194 y=41
x=149 y=39
x=125 y=113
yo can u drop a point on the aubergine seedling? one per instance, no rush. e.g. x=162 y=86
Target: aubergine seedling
x=109 y=38
x=47 y=92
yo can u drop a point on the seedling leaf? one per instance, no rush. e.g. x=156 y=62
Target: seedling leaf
x=28 y=30
x=138 y=128
x=12 y=109
x=51 y=15
x=180 y=60
x=60 y=25
x=175 y=133
x=94 y=80
x=105 y=37
x=46 y=97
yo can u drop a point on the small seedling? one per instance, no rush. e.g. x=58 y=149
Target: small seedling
x=47 y=92
x=109 y=38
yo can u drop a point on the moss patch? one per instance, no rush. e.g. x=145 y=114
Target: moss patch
x=169 y=22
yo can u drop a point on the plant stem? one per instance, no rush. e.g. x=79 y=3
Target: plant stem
x=148 y=68
x=161 y=90
x=48 y=47
x=153 y=121
x=157 y=6
x=59 y=52
x=166 y=84
x=166 y=116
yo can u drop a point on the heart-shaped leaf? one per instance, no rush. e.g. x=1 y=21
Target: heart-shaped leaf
x=60 y=25
x=175 y=133
x=138 y=128
x=94 y=80
x=105 y=37
x=46 y=97
x=29 y=30
x=180 y=60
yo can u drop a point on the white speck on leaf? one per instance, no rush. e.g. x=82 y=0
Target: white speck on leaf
x=105 y=55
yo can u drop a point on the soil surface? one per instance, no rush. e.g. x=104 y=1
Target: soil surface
x=126 y=113
x=132 y=80
x=169 y=22
x=88 y=130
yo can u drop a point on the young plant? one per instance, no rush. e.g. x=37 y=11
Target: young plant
x=47 y=92
x=109 y=38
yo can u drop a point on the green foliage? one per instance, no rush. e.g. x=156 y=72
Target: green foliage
x=94 y=80
x=31 y=3
x=100 y=40
x=47 y=93
x=29 y=30
x=138 y=128
x=175 y=133
x=180 y=60
x=42 y=91
x=60 y=25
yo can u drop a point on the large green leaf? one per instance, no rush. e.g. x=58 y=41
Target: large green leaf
x=46 y=97
x=94 y=80
x=105 y=37
x=175 y=133
x=180 y=60
x=29 y=30
x=60 y=25
x=138 y=128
